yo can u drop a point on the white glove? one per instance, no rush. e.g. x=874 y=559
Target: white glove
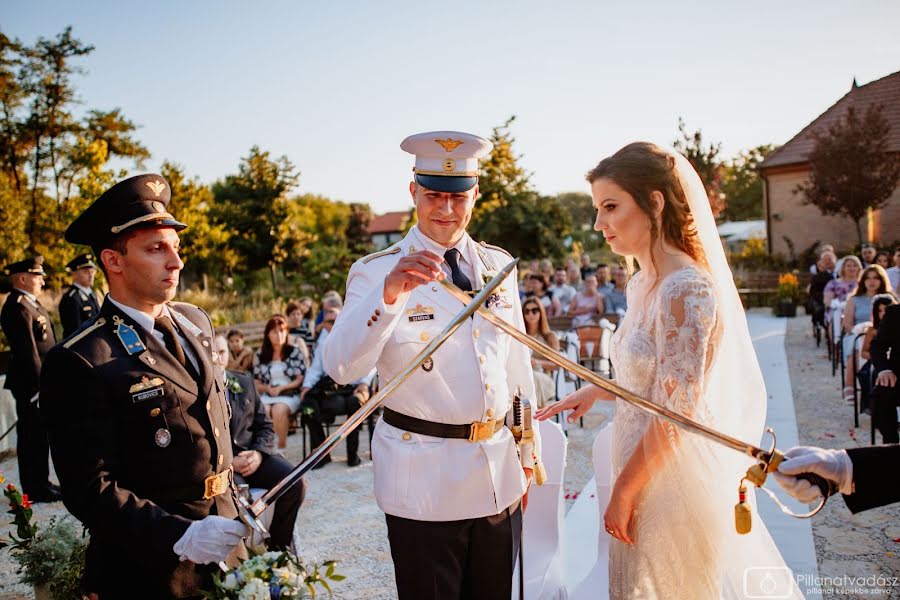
x=210 y=540
x=834 y=465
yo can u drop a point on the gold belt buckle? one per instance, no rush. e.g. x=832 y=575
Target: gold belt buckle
x=480 y=431
x=216 y=484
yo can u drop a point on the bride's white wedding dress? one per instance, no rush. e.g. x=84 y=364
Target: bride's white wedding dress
x=661 y=354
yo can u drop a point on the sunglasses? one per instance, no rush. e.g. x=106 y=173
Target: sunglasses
x=532 y=311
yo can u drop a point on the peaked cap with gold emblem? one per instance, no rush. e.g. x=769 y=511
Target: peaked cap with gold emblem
x=446 y=161
x=80 y=262
x=32 y=264
x=139 y=201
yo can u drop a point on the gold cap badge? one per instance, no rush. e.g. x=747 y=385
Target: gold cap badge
x=156 y=187
x=449 y=144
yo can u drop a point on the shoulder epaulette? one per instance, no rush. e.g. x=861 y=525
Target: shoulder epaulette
x=73 y=291
x=486 y=245
x=184 y=321
x=98 y=323
x=387 y=252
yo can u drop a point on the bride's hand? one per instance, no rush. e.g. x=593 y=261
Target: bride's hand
x=578 y=402
x=619 y=516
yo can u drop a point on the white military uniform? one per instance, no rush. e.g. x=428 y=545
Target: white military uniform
x=473 y=378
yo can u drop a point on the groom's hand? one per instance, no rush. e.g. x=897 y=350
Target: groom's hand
x=410 y=272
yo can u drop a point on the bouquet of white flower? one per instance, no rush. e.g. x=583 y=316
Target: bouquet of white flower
x=272 y=576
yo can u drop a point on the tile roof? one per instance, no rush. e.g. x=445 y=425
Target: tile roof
x=885 y=91
x=389 y=222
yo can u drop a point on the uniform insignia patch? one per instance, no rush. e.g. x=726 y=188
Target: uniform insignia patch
x=128 y=336
x=449 y=144
x=145 y=384
x=185 y=322
x=157 y=188
x=420 y=313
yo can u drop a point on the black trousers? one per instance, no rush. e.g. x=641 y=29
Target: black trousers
x=471 y=559
x=884 y=401
x=32 y=447
x=272 y=470
x=326 y=409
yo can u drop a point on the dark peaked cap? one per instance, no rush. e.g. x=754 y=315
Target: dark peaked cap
x=136 y=202
x=81 y=261
x=33 y=265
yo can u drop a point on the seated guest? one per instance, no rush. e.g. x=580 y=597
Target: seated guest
x=330 y=300
x=256 y=462
x=864 y=375
x=540 y=290
x=278 y=370
x=538 y=327
x=614 y=299
x=814 y=268
x=604 y=279
x=240 y=358
x=858 y=309
x=562 y=291
x=586 y=268
x=844 y=285
x=587 y=305
x=894 y=272
x=823 y=274
x=883 y=260
x=884 y=353
x=323 y=399
x=868 y=254
x=573 y=274
x=296 y=328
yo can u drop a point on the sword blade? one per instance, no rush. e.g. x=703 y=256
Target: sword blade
x=646 y=405
x=357 y=418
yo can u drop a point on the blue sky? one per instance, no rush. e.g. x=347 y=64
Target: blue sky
x=336 y=86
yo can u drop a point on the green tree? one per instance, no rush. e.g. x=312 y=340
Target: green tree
x=582 y=215
x=510 y=212
x=253 y=205
x=851 y=170
x=742 y=185
x=704 y=157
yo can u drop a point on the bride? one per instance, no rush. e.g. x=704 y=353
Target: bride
x=684 y=345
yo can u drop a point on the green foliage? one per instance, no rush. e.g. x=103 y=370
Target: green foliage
x=273 y=574
x=510 y=212
x=851 y=170
x=742 y=185
x=705 y=160
x=582 y=215
x=754 y=256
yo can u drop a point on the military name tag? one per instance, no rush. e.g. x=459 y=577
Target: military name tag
x=420 y=313
x=146 y=395
x=415 y=318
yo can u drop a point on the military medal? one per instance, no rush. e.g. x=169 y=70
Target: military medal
x=163 y=437
x=428 y=365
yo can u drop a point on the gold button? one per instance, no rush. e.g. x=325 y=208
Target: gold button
x=221 y=459
x=155 y=412
x=489 y=412
x=487 y=387
x=481 y=359
x=407 y=436
x=476 y=333
x=216 y=432
x=423 y=336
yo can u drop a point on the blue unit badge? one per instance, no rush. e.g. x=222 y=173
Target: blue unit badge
x=128 y=336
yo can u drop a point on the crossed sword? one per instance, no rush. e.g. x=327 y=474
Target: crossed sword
x=767 y=461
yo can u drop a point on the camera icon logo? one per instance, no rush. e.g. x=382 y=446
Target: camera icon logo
x=768 y=582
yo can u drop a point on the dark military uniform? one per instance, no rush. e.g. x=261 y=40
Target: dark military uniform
x=135 y=437
x=30 y=334
x=251 y=429
x=75 y=308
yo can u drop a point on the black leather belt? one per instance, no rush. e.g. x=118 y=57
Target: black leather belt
x=474 y=432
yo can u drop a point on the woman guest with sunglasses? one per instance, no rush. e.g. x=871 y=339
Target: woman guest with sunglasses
x=538 y=327
x=278 y=370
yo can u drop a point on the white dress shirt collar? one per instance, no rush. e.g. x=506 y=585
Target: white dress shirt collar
x=84 y=289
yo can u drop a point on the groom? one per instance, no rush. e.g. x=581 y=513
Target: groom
x=448 y=474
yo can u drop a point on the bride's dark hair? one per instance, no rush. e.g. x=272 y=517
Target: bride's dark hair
x=641 y=168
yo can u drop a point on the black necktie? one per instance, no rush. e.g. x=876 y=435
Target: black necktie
x=167 y=328
x=459 y=278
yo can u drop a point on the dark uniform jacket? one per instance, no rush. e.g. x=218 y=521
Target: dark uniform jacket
x=251 y=429
x=75 y=308
x=884 y=351
x=30 y=334
x=133 y=438
x=872 y=488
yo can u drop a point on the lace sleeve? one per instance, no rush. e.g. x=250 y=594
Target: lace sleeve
x=684 y=329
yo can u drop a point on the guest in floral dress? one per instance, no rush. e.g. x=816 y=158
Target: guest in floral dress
x=278 y=370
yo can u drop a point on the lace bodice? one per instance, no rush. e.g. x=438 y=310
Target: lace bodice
x=661 y=353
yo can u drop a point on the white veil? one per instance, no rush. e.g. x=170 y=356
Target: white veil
x=735 y=394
